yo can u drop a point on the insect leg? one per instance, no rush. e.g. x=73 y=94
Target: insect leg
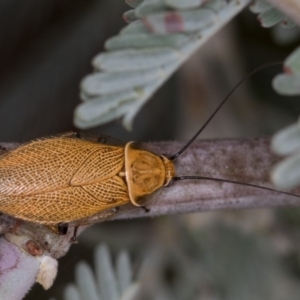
x=108 y=140
x=77 y=135
x=102 y=140
x=3 y=148
x=62 y=228
x=146 y=209
x=115 y=209
x=74 y=237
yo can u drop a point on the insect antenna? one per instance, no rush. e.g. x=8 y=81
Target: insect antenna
x=177 y=178
x=173 y=157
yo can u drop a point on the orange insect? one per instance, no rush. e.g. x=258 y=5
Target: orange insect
x=65 y=179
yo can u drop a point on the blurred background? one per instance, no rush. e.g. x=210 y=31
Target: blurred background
x=45 y=50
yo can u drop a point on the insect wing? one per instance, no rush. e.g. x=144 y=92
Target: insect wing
x=67 y=204
x=61 y=179
x=53 y=163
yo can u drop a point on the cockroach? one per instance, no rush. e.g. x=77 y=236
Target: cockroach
x=58 y=180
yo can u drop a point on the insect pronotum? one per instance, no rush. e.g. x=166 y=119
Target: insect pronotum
x=65 y=179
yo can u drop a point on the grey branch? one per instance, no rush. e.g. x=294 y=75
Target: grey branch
x=243 y=160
